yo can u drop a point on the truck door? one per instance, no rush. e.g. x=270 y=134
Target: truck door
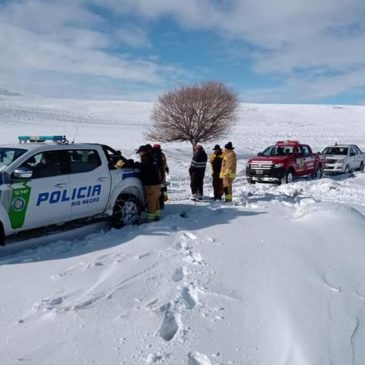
x=89 y=182
x=355 y=158
x=37 y=201
x=309 y=160
x=299 y=161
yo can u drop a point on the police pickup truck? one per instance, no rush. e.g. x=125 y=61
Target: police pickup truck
x=44 y=184
x=283 y=162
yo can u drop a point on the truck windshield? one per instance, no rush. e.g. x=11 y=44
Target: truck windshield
x=9 y=155
x=336 y=151
x=278 y=151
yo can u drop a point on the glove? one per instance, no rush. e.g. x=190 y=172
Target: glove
x=227 y=173
x=119 y=164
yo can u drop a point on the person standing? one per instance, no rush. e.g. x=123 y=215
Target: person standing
x=197 y=172
x=151 y=181
x=164 y=170
x=228 y=170
x=215 y=160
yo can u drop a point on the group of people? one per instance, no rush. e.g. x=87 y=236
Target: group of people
x=153 y=169
x=224 y=166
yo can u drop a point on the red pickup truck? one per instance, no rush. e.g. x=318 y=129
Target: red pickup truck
x=283 y=162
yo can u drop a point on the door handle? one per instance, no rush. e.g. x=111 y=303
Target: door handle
x=60 y=185
x=102 y=178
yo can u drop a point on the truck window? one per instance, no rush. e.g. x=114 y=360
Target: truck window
x=44 y=164
x=358 y=150
x=336 y=151
x=278 y=151
x=9 y=155
x=353 y=151
x=305 y=150
x=83 y=160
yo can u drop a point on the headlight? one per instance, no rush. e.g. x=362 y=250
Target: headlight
x=277 y=165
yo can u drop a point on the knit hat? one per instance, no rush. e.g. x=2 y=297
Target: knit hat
x=142 y=149
x=156 y=146
x=217 y=147
x=229 y=146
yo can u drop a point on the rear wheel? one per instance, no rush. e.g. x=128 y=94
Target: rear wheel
x=126 y=211
x=250 y=181
x=318 y=173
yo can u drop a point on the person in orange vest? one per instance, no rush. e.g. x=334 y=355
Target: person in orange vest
x=228 y=170
x=215 y=160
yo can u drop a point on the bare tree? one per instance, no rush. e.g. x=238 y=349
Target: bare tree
x=196 y=113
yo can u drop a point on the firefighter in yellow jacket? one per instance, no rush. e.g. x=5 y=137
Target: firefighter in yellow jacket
x=228 y=170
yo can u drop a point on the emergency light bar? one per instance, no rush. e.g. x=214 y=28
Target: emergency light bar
x=287 y=143
x=35 y=139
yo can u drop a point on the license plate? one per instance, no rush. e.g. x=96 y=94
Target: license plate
x=259 y=172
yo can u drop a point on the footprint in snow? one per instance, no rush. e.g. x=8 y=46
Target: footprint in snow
x=170 y=324
x=51 y=304
x=190 y=236
x=154 y=358
x=194 y=258
x=189 y=295
x=178 y=274
x=196 y=358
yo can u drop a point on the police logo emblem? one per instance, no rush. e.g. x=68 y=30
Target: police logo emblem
x=18 y=204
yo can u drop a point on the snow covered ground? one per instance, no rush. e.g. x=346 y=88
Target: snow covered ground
x=277 y=278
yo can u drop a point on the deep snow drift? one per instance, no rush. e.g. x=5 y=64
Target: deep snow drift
x=277 y=278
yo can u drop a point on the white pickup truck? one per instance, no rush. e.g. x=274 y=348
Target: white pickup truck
x=44 y=183
x=343 y=158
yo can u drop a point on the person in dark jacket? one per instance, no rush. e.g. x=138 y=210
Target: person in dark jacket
x=161 y=161
x=215 y=160
x=197 y=172
x=151 y=181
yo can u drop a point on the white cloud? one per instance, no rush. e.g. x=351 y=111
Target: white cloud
x=291 y=37
x=132 y=35
x=315 y=45
x=67 y=39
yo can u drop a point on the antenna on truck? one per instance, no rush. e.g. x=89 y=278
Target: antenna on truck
x=76 y=131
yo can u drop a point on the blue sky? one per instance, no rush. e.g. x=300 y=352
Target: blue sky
x=283 y=51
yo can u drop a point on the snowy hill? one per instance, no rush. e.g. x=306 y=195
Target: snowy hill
x=277 y=278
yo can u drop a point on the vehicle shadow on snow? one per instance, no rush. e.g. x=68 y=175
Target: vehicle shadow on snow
x=71 y=241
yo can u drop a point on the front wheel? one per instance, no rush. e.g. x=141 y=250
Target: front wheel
x=126 y=211
x=288 y=178
x=361 y=168
x=347 y=169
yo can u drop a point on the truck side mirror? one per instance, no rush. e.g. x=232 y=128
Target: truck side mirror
x=23 y=173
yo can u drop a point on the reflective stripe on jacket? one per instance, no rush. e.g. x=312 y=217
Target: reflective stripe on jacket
x=199 y=161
